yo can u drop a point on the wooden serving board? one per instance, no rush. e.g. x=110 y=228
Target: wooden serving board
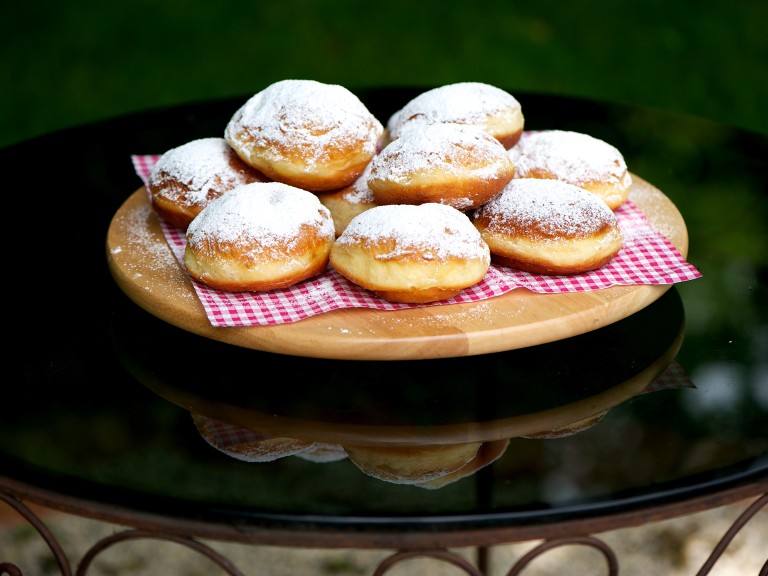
x=145 y=269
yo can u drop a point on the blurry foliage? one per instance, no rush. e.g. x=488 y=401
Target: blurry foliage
x=66 y=63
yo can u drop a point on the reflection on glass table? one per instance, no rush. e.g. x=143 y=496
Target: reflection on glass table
x=374 y=413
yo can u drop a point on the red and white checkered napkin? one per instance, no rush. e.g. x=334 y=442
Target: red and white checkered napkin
x=646 y=258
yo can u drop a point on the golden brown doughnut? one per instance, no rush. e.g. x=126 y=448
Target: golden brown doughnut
x=411 y=253
x=305 y=133
x=245 y=444
x=488 y=453
x=189 y=176
x=576 y=158
x=259 y=236
x=548 y=227
x=461 y=166
x=348 y=202
x=490 y=108
x=412 y=464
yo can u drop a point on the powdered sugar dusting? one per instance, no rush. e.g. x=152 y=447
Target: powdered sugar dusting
x=260 y=214
x=434 y=230
x=462 y=102
x=307 y=118
x=569 y=156
x=141 y=240
x=359 y=192
x=451 y=149
x=546 y=208
x=204 y=166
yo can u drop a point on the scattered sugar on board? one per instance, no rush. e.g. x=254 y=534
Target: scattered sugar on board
x=570 y=156
x=439 y=316
x=142 y=241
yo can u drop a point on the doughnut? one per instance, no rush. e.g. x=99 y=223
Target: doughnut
x=490 y=108
x=548 y=227
x=321 y=452
x=259 y=236
x=488 y=453
x=412 y=464
x=305 y=133
x=411 y=253
x=189 y=176
x=346 y=203
x=576 y=158
x=246 y=444
x=461 y=166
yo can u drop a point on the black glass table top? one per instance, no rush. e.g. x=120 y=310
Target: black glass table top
x=97 y=394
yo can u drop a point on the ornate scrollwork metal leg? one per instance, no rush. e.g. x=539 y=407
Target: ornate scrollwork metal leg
x=439 y=554
x=10 y=569
x=602 y=547
x=45 y=534
x=132 y=534
x=730 y=534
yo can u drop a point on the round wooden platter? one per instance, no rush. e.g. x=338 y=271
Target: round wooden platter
x=145 y=269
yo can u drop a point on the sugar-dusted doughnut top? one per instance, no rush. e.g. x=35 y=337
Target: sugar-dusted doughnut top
x=424 y=232
x=546 y=209
x=305 y=123
x=444 y=151
x=205 y=166
x=569 y=156
x=259 y=219
x=475 y=103
x=189 y=176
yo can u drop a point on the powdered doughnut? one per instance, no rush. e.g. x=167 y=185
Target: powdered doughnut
x=549 y=227
x=189 y=176
x=452 y=164
x=409 y=253
x=246 y=444
x=412 y=464
x=259 y=236
x=305 y=133
x=576 y=158
x=348 y=202
x=490 y=108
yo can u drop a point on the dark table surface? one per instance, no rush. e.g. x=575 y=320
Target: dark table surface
x=89 y=378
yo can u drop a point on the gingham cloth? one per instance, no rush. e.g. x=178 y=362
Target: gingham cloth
x=647 y=257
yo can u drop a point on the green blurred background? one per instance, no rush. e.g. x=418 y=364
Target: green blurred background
x=67 y=63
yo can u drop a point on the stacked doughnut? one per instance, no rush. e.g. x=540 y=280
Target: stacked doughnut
x=576 y=158
x=306 y=178
x=186 y=178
